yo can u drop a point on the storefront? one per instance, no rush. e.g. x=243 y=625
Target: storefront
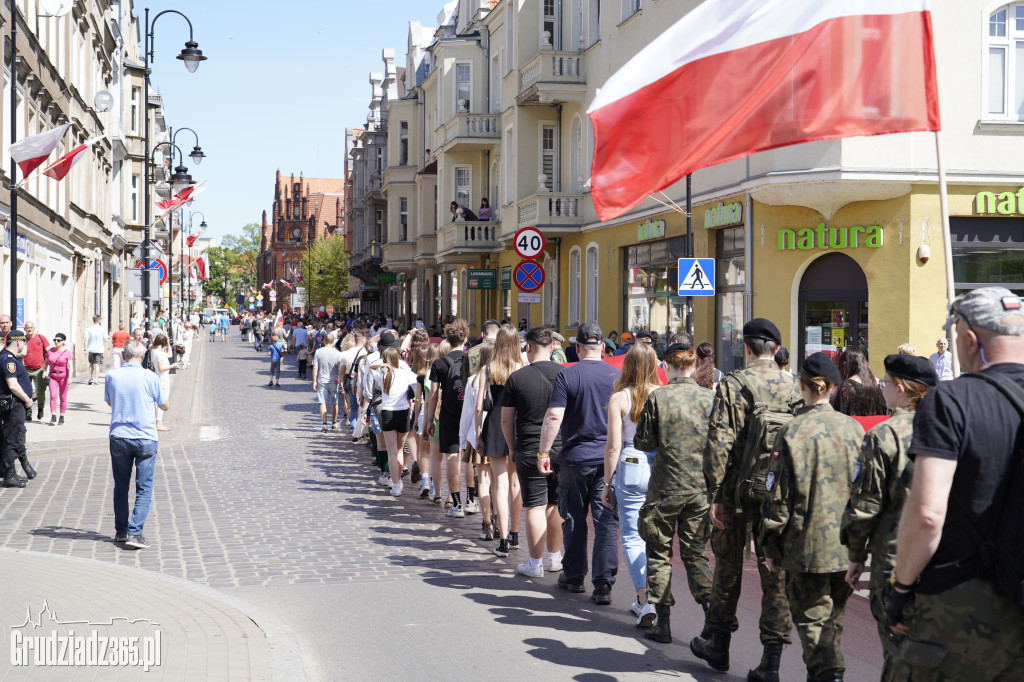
x=650 y=282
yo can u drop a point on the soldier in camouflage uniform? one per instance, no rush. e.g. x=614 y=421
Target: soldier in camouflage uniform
x=808 y=487
x=736 y=504
x=488 y=332
x=674 y=421
x=881 y=483
x=557 y=352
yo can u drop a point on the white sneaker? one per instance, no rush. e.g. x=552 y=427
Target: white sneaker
x=647 y=615
x=530 y=571
x=455 y=513
x=396 y=489
x=636 y=608
x=384 y=479
x=553 y=562
x=472 y=507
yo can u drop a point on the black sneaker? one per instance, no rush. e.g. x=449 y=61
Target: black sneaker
x=120 y=537
x=60 y=422
x=502 y=548
x=566 y=584
x=28 y=415
x=602 y=595
x=513 y=539
x=53 y=420
x=415 y=476
x=136 y=541
x=39 y=415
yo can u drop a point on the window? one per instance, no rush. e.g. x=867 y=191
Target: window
x=379 y=159
x=574 y=286
x=1004 y=63
x=576 y=36
x=135 y=198
x=403 y=219
x=629 y=8
x=136 y=97
x=548 y=162
x=463 y=88
x=378 y=226
x=403 y=143
x=594 y=21
x=549 y=26
x=462 y=185
x=453 y=286
x=592 y=279
x=510 y=38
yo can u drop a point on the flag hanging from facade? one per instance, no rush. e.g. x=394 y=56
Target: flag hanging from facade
x=177 y=200
x=32 y=152
x=201 y=268
x=59 y=169
x=191 y=239
x=287 y=284
x=734 y=77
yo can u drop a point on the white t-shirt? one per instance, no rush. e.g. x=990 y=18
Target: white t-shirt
x=397 y=398
x=94 y=339
x=348 y=357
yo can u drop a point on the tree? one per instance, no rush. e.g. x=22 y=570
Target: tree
x=246 y=249
x=222 y=264
x=325 y=269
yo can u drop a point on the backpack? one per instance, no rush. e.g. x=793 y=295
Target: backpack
x=1002 y=551
x=766 y=420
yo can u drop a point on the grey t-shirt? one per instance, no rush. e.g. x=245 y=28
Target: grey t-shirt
x=327 y=360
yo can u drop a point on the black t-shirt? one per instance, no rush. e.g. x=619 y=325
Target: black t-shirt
x=528 y=390
x=445 y=373
x=971 y=422
x=12 y=368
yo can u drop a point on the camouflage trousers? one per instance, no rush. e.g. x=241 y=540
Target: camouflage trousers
x=818 y=604
x=968 y=632
x=659 y=522
x=729 y=545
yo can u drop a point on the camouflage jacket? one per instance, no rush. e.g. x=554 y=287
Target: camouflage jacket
x=808 y=487
x=674 y=421
x=471 y=363
x=558 y=356
x=881 y=484
x=730 y=415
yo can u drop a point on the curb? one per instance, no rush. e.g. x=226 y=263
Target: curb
x=286 y=663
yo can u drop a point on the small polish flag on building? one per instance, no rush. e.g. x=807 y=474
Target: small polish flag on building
x=201 y=268
x=734 y=77
x=32 y=152
x=59 y=169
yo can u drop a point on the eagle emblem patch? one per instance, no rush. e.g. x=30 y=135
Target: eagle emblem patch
x=769 y=482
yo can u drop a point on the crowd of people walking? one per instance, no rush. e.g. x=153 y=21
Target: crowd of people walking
x=652 y=442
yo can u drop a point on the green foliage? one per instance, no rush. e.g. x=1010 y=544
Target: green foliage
x=326 y=256
x=232 y=266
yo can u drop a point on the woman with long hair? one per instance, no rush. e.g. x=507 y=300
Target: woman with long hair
x=707 y=375
x=858 y=395
x=436 y=466
x=627 y=470
x=468 y=438
x=421 y=448
x=505 y=359
x=399 y=390
x=162 y=365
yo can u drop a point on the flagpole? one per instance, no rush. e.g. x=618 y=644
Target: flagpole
x=14 y=166
x=947 y=245
x=689 y=254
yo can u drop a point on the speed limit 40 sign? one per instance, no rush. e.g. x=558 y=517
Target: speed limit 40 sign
x=529 y=243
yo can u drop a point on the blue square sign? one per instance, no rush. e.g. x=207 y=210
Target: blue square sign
x=696 y=277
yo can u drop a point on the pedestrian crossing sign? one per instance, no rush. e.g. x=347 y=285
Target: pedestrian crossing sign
x=696 y=277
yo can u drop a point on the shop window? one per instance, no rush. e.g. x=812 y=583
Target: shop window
x=574 y=286
x=732 y=276
x=1004 y=63
x=650 y=291
x=833 y=308
x=453 y=287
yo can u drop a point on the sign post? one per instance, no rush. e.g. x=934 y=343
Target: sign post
x=528 y=276
x=696 y=277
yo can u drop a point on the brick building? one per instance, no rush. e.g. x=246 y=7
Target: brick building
x=304 y=209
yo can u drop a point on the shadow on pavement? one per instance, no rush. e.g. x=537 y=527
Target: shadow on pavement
x=66 y=533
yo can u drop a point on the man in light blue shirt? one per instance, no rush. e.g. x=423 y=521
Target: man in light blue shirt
x=131 y=392
x=95 y=346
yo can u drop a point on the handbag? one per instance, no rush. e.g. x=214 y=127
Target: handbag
x=179 y=348
x=360 y=429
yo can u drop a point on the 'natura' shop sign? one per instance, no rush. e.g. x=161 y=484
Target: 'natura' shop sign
x=651 y=229
x=1002 y=203
x=822 y=237
x=723 y=215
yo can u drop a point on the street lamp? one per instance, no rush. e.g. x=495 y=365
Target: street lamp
x=191 y=55
x=181 y=265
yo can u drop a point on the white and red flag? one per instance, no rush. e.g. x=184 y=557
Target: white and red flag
x=191 y=239
x=734 y=77
x=268 y=285
x=32 y=152
x=287 y=284
x=296 y=274
x=201 y=268
x=59 y=169
x=177 y=200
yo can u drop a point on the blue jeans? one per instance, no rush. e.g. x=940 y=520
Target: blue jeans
x=353 y=409
x=631 y=477
x=125 y=453
x=275 y=370
x=579 y=489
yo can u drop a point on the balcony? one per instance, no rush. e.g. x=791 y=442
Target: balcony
x=470 y=132
x=551 y=210
x=371 y=191
x=552 y=78
x=399 y=256
x=426 y=248
x=463 y=241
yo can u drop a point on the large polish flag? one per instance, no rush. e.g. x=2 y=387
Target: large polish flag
x=734 y=77
x=32 y=152
x=59 y=169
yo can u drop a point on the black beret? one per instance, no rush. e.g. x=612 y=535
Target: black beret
x=782 y=356
x=645 y=335
x=677 y=347
x=821 y=365
x=912 y=368
x=760 y=328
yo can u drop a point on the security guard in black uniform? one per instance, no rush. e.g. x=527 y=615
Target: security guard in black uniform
x=17 y=385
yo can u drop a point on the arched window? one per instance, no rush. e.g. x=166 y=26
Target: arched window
x=574 y=286
x=592 y=277
x=1004 y=63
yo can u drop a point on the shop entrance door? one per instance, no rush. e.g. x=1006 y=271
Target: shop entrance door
x=833 y=307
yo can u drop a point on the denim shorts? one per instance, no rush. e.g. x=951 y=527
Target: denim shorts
x=328 y=395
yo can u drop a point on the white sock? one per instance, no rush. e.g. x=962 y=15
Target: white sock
x=552 y=556
x=534 y=563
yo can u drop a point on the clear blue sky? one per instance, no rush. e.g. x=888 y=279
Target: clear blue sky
x=281 y=83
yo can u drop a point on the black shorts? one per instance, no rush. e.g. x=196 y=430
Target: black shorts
x=537 y=489
x=95 y=358
x=448 y=433
x=394 y=420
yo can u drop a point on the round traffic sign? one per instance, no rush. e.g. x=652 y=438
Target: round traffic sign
x=528 y=276
x=159 y=266
x=529 y=242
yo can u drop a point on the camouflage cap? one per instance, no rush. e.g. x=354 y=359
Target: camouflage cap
x=985 y=308
x=557 y=337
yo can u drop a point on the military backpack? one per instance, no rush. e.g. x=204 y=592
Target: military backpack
x=766 y=420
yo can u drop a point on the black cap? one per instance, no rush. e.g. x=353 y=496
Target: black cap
x=645 y=335
x=589 y=334
x=760 y=328
x=782 y=356
x=60 y=336
x=821 y=365
x=387 y=340
x=16 y=335
x=675 y=347
x=490 y=320
x=912 y=368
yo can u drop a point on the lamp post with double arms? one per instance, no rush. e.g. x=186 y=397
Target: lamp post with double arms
x=191 y=55
x=181 y=265
x=179 y=181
